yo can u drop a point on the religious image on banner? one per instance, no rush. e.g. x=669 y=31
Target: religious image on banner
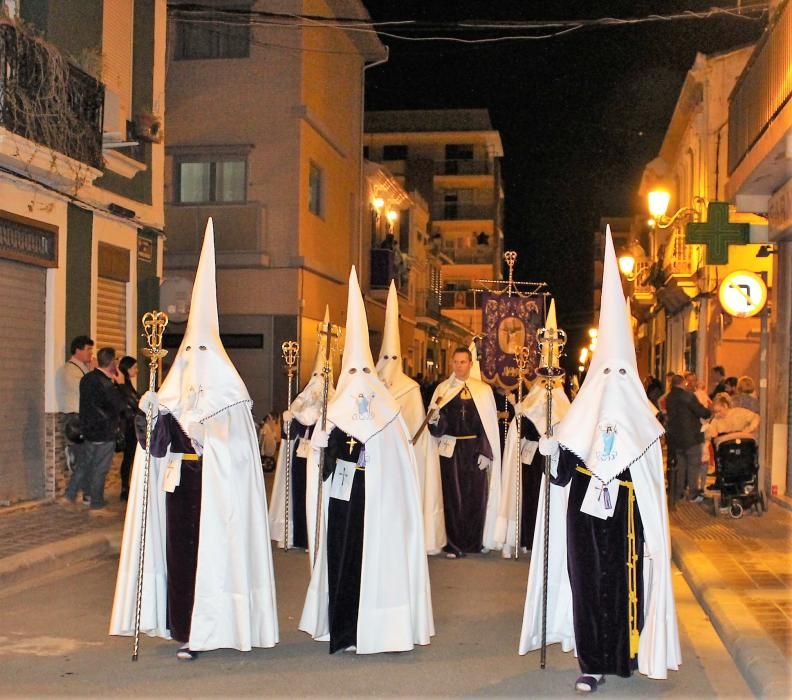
x=509 y=322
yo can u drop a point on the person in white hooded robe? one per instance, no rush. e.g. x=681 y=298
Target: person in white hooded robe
x=207 y=576
x=465 y=425
x=369 y=589
x=609 y=592
x=407 y=393
x=532 y=411
x=301 y=418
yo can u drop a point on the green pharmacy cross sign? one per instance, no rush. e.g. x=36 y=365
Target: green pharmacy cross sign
x=717 y=233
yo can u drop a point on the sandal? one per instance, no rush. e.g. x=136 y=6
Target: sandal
x=186 y=654
x=587 y=683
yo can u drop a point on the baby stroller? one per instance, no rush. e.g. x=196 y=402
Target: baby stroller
x=737 y=480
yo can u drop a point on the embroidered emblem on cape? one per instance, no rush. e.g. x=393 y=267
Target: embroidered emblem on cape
x=364 y=407
x=608 y=433
x=465 y=393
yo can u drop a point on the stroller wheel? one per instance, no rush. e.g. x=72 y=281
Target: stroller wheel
x=736 y=510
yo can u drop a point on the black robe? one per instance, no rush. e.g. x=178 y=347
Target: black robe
x=531 y=483
x=597 y=553
x=465 y=486
x=299 y=466
x=344 y=538
x=183 y=523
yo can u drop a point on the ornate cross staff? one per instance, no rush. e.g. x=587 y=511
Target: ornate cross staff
x=551 y=343
x=522 y=356
x=291 y=351
x=154 y=323
x=510 y=256
x=330 y=332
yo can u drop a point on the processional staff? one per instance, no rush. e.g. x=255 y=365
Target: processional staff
x=551 y=344
x=522 y=357
x=291 y=351
x=154 y=323
x=330 y=332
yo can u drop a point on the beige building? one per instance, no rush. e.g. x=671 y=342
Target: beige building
x=759 y=170
x=451 y=157
x=81 y=211
x=675 y=292
x=264 y=135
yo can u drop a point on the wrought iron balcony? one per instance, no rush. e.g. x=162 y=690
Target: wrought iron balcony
x=453 y=211
x=427 y=303
x=763 y=88
x=461 y=166
x=47 y=100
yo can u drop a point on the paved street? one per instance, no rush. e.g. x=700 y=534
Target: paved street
x=53 y=640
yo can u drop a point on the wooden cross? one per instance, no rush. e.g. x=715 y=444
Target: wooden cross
x=717 y=233
x=351 y=442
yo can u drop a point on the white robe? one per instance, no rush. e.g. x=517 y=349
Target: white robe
x=659 y=648
x=484 y=400
x=395 y=609
x=408 y=394
x=534 y=409
x=235 y=603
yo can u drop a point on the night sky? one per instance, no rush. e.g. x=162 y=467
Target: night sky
x=579 y=115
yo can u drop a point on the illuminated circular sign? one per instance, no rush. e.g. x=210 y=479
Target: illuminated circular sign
x=743 y=294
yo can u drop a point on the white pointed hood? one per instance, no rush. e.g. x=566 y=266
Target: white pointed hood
x=534 y=406
x=362 y=405
x=307 y=405
x=475 y=365
x=610 y=425
x=202 y=381
x=389 y=365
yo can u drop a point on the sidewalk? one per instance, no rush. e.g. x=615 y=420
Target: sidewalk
x=741 y=573
x=739 y=570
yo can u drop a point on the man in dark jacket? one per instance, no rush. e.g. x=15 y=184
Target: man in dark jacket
x=683 y=430
x=101 y=405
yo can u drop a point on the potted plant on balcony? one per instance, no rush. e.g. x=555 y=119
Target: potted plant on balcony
x=148 y=127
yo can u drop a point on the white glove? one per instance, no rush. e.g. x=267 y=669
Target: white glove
x=320 y=438
x=434 y=418
x=287 y=416
x=548 y=446
x=149 y=400
x=484 y=462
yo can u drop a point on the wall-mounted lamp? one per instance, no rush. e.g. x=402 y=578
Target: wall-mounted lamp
x=766 y=250
x=629 y=258
x=392 y=215
x=378 y=203
x=658 y=206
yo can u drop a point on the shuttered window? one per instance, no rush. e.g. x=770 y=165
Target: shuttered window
x=117 y=51
x=111 y=298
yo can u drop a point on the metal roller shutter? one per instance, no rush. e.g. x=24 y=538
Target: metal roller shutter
x=22 y=318
x=111 y=323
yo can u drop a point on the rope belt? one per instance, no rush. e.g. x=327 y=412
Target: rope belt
x=190 y=457
x=632 y=563
x=465 y=437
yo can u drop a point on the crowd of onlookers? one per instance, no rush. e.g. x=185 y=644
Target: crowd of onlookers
x=97 y=396
x=697 y=421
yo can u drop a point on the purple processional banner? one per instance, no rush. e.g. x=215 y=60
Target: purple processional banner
x=509 y=322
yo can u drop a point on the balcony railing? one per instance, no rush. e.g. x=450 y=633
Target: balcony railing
x=387 y=265
x=678 y=257
x=427 y=303
x=763 y=88
x=643 y=292
x=458 y=299
x=471 y=256
x=463 y=167
x=448 y=211
x=45 y=99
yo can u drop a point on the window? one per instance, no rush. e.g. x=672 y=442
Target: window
x=366 y=152
x=394 y=153
x=315 y=190
x=226 y=35
x=211 y=179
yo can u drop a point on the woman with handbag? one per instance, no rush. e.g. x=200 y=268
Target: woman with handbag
x=126 y=434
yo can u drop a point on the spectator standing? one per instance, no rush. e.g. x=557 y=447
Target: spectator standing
x=101 y=406
x=67 y=393
x=654 y=389
x=717 y=380
x=269 y=439
x=745 y=397
x=129 y=371
x=683 y=428
x=731 y=385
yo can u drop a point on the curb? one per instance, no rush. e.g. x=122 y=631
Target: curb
x=764 y=667
x=57 y=555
